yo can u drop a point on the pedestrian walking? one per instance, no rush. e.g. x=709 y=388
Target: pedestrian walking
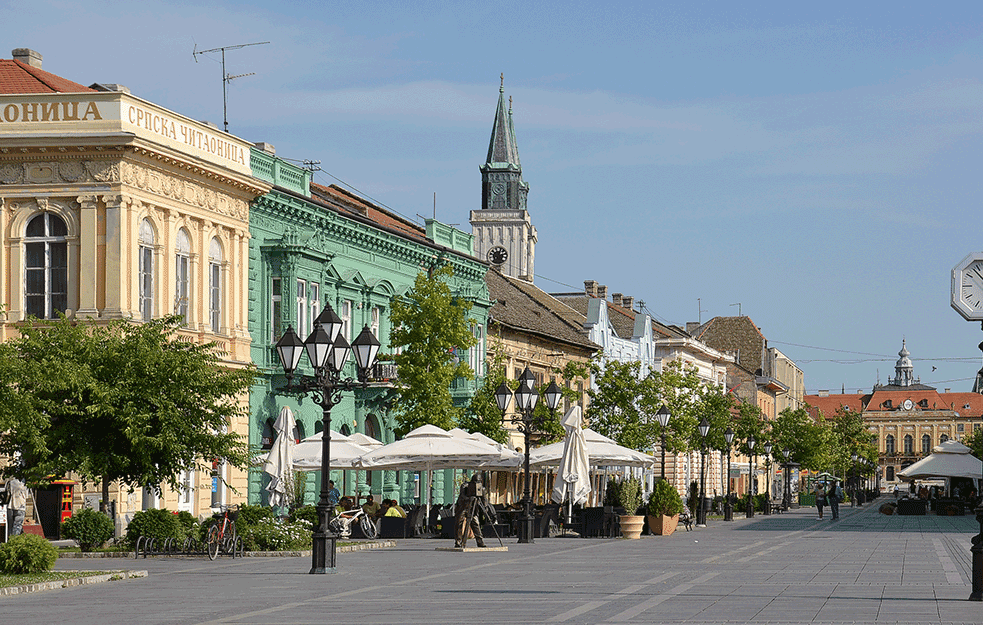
x=16 y=506
x=835 y=497
x=820 y=492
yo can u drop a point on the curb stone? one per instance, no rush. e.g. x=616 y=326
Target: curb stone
x=380 y=544
x=109 y=576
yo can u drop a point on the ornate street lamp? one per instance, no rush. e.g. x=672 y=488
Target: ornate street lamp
x=663 y=415
x=754 y=481
x=328 y=352
x=728 y=504
x=787 y=470
x=526 y=398
x=701 y=510
x=767 y=447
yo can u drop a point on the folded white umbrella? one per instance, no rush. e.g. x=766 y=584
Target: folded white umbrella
x=601 y=451
x=572 y=477
x=280 y=459
x=307 y=454
x=949 y=459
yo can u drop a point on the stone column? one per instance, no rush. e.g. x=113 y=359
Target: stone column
x=88 y=268
x=114 y=256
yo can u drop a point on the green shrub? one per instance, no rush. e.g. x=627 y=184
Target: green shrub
x=272 y=534
x=27 y=554
x=90 y=529
x=160 y=524
x=251 y=515
x=611 y=493
x=630 y=495
x=664 y=499
x=307 y=513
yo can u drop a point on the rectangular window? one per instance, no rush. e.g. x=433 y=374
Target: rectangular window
x=376 y=316
x=315 y=303
x=346 y=320
x=146 y=277
x=46 y=290
x=960 y=427
x=302 y=320
x=276 y=310
x=477 y=351
x=182 y=288
x=215 y=296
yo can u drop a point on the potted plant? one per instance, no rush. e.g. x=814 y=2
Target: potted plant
x=630 y=498
x=664 y=507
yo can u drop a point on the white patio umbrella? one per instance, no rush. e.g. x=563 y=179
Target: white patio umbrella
x=507 y=459
x=949 y=459
x=572 y=477
x=364 y=440
x=601 y=451
x=279 y=461
x=344 y=452
x=426 y=448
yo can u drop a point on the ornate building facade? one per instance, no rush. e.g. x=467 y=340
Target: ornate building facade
x=906 y=418
x=112 y=207
x=312 y=245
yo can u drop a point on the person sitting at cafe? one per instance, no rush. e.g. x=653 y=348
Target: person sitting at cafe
x=395 y=509
x=345 y=504
x=370 y=507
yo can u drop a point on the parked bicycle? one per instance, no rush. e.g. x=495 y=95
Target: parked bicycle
x=221 y=536
x=342 y=524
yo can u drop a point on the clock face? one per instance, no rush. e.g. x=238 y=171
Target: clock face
x=498 y=255
x=908 y=404
x=967 y=287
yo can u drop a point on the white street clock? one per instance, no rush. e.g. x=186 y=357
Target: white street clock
x=967 y=287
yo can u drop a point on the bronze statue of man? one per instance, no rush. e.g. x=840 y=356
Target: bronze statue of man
x=466 y=511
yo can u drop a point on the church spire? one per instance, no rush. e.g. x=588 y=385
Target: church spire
x=503 y=153
x=502 y=186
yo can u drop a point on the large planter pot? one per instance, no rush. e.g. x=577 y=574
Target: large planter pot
x=663 y=525
x=631 y=525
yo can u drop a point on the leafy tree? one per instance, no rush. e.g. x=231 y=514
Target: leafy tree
x=124 y=402
x=615 y=403
x=975 y=442
x=849 y=436
x=430 y=324
x=482 y=413
x=799 y=432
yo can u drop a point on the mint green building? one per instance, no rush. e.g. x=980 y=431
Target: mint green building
x=312 y=245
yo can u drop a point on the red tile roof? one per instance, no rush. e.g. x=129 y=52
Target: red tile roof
x=349 y=202
x=876 y=401
x=17 y=78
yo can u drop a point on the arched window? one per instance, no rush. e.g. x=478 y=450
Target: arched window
x=146 y=270
x=46 y=266
x=943 y=438
x=215 y=285
x=372 y=427
x=889 y=473
x=182 y=275
x=926 y=444
x=909 y=444
x=889 y=444
x=266 y=441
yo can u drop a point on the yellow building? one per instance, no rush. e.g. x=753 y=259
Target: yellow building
x=112 y=207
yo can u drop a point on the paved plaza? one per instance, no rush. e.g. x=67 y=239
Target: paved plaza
x=789 y=568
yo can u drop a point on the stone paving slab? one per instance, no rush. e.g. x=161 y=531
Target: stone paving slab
x=789 y=569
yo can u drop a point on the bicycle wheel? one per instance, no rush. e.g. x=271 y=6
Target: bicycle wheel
x=368 y=527
x=213 y=542
x=237 y=547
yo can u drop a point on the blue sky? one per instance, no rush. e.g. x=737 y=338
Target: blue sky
x=818 y=165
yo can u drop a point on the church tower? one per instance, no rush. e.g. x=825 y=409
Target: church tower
x=503 y=233
x=904 y=369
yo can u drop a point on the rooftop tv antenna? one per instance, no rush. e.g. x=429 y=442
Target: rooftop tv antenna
x=226 y=78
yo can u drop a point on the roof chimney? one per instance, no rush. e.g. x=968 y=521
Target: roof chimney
x=692 y=326
x=616 y=299
x=628 y=302
x=590 y=287
x=602 y=291
x=824 y=393
x=27 y=57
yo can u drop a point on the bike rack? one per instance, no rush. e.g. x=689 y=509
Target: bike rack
x=150 y=546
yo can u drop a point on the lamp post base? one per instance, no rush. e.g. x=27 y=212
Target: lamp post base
x=728 y=510
x=527 y=533
x=323 y=553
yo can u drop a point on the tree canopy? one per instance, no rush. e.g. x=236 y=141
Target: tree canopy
x=431 y=326
x=127 y=402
